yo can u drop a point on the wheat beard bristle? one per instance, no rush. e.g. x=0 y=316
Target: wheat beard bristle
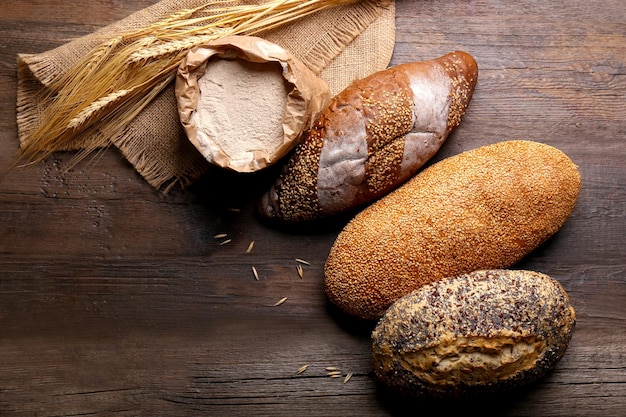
x=84 y=98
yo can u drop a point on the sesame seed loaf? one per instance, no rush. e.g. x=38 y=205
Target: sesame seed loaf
x=372 y=137
x=483 y=209
x=477 y=333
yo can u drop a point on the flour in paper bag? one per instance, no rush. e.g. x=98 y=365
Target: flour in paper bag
x=241 y=107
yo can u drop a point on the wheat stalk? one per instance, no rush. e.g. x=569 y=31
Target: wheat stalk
x=105 y=90
x=176 y=46
x=102 y=52
x=95 y=107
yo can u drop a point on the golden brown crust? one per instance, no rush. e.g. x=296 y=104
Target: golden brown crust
x=372 y=137
x=480 y=332
x=483 y=209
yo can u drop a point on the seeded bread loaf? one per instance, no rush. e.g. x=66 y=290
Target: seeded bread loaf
x=481 y=332
x=372 y=137
x=482 y=209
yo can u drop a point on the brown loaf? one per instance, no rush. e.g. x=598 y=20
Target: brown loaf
x=477 y=333
x=482 y=209
x=372 y=137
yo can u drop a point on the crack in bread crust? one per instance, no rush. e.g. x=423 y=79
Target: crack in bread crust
x=478 y=332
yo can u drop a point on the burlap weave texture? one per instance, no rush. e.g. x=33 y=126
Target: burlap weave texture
x=340 y=45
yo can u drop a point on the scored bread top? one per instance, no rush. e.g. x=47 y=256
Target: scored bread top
x=364 y=138
x=372 y=137
x=485 y=330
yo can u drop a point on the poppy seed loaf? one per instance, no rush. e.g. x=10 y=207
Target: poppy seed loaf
x=477 y=333
x=372 y=137
x=483 y=209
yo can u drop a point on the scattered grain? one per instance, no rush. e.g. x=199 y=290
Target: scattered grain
x=302 y=261
x=279 y=302
x=302 y=369
x=226 y=241
x=220 y=236
x=255 y=273
x=250 y=246
x=300 y=271
x=347 y=378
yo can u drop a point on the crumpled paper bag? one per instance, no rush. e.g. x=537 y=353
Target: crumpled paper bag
x=307 y=96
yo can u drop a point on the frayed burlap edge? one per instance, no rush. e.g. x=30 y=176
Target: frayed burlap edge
x=357 y=44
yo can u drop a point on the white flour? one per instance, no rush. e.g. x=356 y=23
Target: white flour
x=240 y=108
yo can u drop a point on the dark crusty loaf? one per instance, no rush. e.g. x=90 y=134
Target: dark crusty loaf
x=482 y=209
x=372 y=137
x=481 y=332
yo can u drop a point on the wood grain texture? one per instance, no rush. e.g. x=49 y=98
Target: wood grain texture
x=118 y=300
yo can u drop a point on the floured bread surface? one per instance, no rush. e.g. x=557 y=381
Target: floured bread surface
x=484 y=331
x=372 y=137
x=240 y=109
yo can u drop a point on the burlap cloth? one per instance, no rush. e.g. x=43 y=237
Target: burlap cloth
x=340 y=45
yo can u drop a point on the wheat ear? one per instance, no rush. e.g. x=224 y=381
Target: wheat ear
x=102 y=84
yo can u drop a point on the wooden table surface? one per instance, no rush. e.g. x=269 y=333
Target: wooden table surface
x=116 y=299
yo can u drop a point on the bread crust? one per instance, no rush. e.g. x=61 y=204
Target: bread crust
x=483 y=209
x=372 y=137
x=476 y=333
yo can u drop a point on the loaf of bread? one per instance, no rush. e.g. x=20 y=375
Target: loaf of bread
x=482 y=209
x=481 y=332
x=372 y=137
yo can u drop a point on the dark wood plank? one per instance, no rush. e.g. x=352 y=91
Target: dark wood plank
x=117 y=300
